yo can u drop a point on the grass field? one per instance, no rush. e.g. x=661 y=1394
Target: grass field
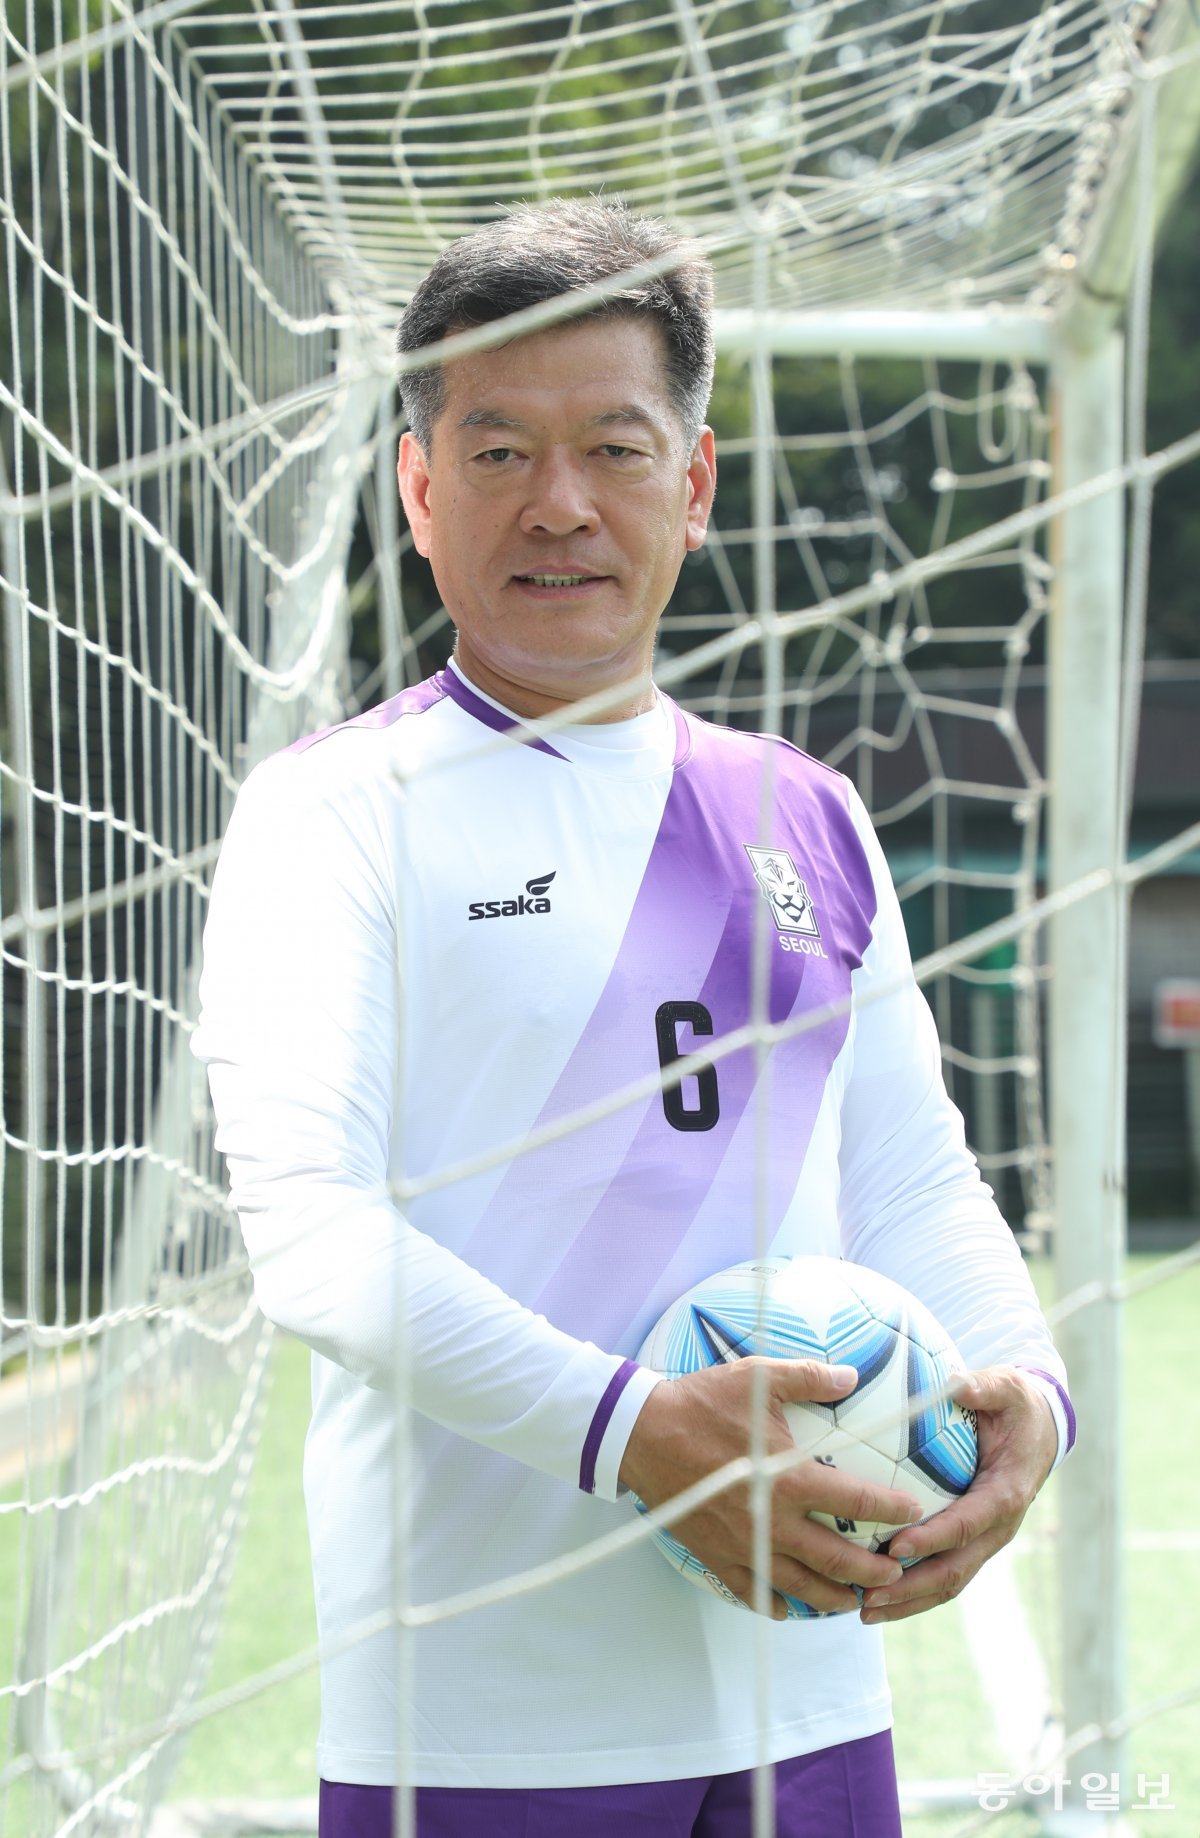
x=263 y=1748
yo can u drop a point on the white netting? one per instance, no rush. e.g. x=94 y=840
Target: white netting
x=210 y=215
x=946 y=152
x=149 y=515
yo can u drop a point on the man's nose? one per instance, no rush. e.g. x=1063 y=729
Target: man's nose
x=559 y=501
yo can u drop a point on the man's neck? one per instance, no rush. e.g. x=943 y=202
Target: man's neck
x=621 y=700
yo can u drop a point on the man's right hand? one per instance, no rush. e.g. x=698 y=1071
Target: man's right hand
x=689 y=1427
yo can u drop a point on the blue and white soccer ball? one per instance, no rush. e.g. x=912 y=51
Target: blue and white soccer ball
x=894 y=1428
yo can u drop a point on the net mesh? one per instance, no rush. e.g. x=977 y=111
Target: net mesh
x=908 y=153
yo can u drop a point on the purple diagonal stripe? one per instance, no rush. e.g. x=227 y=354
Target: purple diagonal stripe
x=594 y=1221
x=715 y=808
x=600 y=1422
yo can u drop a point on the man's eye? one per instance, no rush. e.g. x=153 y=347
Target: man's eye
x=495 y=456
x=612 y=449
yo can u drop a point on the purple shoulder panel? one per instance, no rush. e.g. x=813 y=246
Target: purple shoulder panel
x=412 y=701
x=683 y=733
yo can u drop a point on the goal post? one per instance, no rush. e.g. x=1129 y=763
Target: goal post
x=1088 y=1002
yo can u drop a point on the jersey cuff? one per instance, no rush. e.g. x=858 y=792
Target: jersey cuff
x=611 y=1428
x=1055 y=1394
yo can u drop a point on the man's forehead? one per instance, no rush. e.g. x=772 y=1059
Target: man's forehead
x=597 y=372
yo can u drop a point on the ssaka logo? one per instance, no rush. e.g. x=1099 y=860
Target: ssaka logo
x=533 y=900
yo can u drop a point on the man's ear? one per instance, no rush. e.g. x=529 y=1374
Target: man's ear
x=702 y=485
x=412 y=470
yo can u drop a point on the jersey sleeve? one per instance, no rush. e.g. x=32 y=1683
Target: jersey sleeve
x=299 y=1029
x=913 y=1202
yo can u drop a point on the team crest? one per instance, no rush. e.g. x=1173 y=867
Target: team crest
x=791 y=907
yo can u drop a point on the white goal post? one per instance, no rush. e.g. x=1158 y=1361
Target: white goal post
x=211 y=217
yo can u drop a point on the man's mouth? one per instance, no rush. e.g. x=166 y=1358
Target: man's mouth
x=541 y=579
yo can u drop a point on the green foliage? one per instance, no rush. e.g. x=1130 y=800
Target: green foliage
x=1172 y=411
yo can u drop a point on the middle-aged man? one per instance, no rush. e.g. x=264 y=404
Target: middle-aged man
x=427 y=942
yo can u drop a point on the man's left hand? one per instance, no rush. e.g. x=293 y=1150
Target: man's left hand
x=1018 y=1441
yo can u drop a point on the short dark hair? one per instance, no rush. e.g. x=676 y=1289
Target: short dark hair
x=539 y=252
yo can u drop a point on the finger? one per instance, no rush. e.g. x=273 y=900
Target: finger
x=743 y=1584
x=984 y=1507
x=992 y=1388
x=937 y=1579
x=878 y=1613
x=845 y=1496
x=808 y=1381
x=948 y=1530
x=827 y=1553
x=899 y=1611
x=804 y=1585
x=931 y=1583
x=1017 y=1425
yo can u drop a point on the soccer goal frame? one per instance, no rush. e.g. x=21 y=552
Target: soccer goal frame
x=1093 y=355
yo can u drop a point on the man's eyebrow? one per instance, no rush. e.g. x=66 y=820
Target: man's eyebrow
x=628 y=414
x=492 y=418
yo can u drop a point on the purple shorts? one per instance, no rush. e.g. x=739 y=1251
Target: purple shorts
x=848 y=1791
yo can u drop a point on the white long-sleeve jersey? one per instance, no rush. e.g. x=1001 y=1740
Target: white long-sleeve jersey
x=423 y=951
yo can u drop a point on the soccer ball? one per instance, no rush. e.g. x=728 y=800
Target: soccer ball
x=893 y=1428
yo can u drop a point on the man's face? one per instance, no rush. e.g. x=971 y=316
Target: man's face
x=556 y=508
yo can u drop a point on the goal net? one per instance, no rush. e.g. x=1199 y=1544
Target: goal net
x=932 y=230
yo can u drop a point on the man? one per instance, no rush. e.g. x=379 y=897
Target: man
x=428 y=944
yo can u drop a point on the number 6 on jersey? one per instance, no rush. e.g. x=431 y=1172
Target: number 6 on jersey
x=667 y=1022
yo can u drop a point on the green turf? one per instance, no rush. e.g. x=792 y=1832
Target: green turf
x=264 y=1748
x=1163 y=1613
x=942 y=1720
